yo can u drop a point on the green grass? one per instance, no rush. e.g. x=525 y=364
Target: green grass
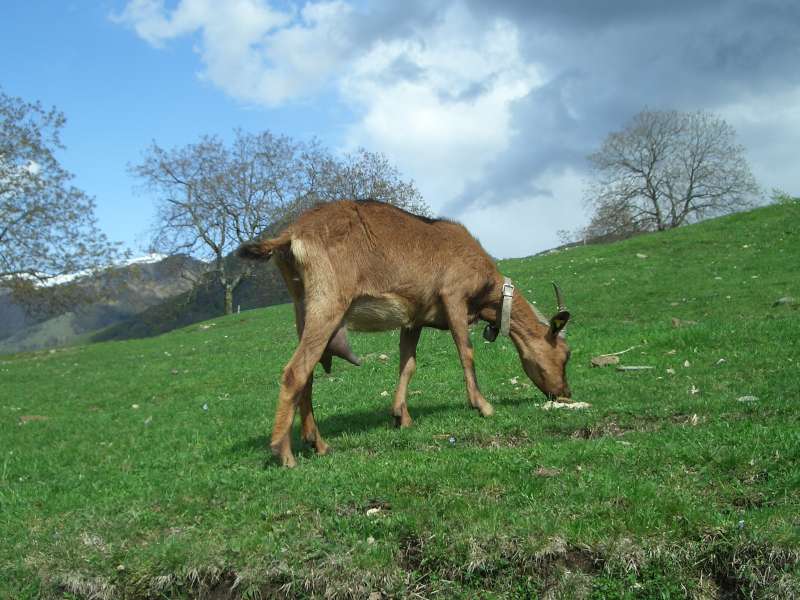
x=149 y=474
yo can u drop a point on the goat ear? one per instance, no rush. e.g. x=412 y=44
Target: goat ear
x=558 y=322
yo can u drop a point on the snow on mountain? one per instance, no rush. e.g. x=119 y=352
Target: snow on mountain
x=147 y=259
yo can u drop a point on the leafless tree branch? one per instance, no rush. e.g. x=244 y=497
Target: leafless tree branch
x=666 y=169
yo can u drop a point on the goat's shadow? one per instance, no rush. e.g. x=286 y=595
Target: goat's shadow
x=362 y=421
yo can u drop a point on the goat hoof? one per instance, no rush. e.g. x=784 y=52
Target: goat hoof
x=487 y=410
x=322 y=448
x=284 y=454
x=402 y=422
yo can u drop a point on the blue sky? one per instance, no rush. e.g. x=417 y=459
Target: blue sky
x=490 y=107
x=119 y=94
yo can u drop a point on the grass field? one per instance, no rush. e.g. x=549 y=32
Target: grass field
x=140 y=468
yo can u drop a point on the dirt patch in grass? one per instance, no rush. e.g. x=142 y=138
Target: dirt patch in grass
x=513 y=439
x=615 y=426
x=496 y=564
x=412 y=556
x=369 y=507
x=746 y=569
x=551 y=563
x=211 y=583
x=609 y=429
x=719 y=564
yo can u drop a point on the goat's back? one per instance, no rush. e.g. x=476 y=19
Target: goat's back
x=373 y=248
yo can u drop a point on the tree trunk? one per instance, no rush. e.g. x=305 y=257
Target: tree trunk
x=228 y=299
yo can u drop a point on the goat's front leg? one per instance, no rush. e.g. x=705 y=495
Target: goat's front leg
x=408 y=364
x=457 y=320
x=320 y=323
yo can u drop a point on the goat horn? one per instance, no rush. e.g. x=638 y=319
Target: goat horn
x=559 y=297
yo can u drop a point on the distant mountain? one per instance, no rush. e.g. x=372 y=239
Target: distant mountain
x=122 y=292
x=264 y=288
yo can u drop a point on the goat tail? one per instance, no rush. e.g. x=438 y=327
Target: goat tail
x=261 y=249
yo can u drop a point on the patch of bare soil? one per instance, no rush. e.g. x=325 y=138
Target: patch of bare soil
x=591 y=432
x=371 y=507
x=513 y=439
x=611 y=427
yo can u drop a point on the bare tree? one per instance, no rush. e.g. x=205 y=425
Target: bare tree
x=779 y=196
x=212 y=197
x=666 y=169
x=47 y=226
x=363 y=175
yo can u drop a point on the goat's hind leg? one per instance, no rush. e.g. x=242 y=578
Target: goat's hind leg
x=319 y=326
x=408 y=364
x=309 y=430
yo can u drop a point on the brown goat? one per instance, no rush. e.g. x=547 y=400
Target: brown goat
x=372 y=267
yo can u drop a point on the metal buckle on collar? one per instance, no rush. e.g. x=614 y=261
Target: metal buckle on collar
x=492 y=330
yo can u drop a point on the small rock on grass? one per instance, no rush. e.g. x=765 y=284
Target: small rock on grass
x=605 y=360
x=785 y=301
x=747 y=399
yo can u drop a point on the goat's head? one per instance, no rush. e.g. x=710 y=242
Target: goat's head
x=544 y=357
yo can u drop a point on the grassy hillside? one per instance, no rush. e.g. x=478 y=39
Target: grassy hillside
x=139 y=468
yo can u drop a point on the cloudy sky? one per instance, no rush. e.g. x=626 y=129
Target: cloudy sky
x=491 y=107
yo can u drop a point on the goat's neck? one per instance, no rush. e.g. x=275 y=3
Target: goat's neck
x=526 y=328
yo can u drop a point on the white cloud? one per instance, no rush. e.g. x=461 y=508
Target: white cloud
x=250 y=50
x=529 y=224
x=768 y=125
x=448 y=120
x=437 y=102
